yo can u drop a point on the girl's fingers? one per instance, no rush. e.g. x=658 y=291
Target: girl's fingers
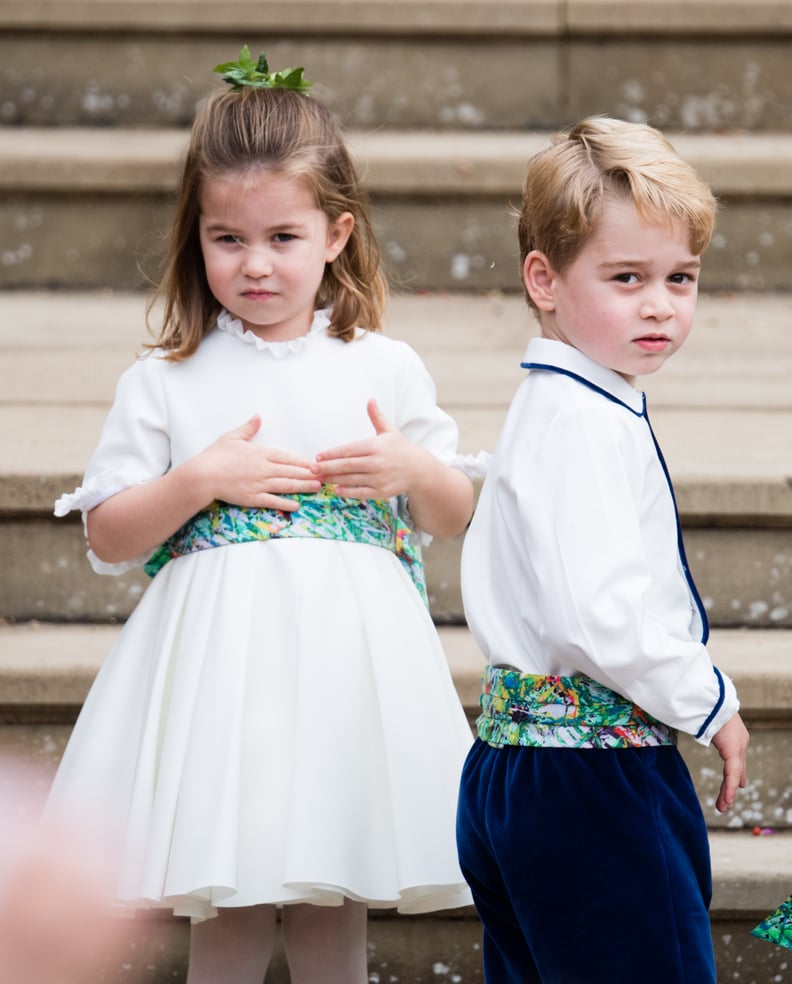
x=345 y=453
x=247 y=430
x=269 y=501
x=358 y=492
x=360 y=449
x=283 y=485
x=273 y=497
x=381 y=423
x=293 y=472
x=350 y=470
x=278 y=457
x=349 y=479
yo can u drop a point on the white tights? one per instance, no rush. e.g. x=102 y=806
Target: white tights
x=323 y=944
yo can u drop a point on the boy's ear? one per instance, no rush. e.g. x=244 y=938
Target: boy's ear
x=539 y=278
x=338 y=233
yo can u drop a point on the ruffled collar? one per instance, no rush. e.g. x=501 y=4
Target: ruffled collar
x=278 y=350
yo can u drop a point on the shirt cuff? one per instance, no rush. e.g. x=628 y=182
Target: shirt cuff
x=723 y=710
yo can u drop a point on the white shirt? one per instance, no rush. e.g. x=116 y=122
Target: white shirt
x=572 y=563
x=311 y=393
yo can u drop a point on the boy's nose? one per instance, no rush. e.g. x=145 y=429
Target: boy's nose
x=657 y=305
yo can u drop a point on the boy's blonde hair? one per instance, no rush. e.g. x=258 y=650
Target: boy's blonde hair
x=282 y=132
x=566 y=185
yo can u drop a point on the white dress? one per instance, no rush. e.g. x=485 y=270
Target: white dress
x=276 y=722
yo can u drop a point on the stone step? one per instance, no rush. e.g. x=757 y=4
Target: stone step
x=46 y=670
x=743 y=573
x=750 y=877
x=722 y=410
x=87 y=208
x=500 y=64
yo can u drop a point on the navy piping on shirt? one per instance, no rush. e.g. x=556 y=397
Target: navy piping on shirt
x=680 y=543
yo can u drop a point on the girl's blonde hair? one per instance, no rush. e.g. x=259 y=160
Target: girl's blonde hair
x=566 y=185
x=283 y=132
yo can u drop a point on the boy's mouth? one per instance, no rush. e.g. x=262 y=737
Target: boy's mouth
x=653 y=343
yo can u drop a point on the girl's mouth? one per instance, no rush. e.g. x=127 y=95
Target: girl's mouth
x=257 y=295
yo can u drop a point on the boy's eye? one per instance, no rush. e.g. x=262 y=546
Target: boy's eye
x=682 y=278
x=626 y=278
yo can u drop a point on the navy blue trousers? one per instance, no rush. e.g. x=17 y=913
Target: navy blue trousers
x=587 y=866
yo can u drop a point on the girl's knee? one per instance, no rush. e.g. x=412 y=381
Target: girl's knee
x=326 y=944
x=304 y=919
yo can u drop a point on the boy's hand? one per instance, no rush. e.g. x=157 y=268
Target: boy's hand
x=732 y=745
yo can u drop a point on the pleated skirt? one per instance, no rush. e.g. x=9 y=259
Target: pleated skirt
x=276 y=723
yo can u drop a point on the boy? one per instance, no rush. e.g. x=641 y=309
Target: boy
x=579 y=829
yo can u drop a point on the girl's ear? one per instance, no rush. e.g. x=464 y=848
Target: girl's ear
x=539 y=278
x=338 y=233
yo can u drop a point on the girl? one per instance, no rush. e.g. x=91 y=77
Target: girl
x=276 y=725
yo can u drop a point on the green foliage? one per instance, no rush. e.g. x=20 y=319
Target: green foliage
x=257 y=74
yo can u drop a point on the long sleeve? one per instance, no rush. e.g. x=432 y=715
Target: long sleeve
x=572 y=562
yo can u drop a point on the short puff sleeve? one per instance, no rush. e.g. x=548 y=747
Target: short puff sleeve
x=134 y=447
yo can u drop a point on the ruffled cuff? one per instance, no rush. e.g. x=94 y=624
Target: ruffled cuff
x=473 y=465
x=86 y=497
x=100 y=567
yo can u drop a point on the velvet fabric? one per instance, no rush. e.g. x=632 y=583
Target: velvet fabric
x=587 y=866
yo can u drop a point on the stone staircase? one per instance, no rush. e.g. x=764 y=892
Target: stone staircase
x=445 y=100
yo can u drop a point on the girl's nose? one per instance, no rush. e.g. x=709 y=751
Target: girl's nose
x=256 y=263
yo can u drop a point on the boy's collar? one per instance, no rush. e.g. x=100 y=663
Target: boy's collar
x=565 y=358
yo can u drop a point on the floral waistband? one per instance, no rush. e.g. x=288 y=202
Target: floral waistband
x=562 y=712
x=323 y=515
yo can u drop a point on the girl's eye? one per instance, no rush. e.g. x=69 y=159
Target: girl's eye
x=284 y=237
x=228 y=238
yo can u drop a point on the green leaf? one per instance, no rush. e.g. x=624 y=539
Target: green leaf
x=244 y=72
x=245 y=58
x=226 y=67
x=291 y=78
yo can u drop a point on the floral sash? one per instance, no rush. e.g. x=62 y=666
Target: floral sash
x=777 y=928
x=322 y=515
x=562 y=712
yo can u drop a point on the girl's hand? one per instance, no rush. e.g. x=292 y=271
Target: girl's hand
x=732 y=745
x=389 y=464
x=375 y=468
x=245 y=474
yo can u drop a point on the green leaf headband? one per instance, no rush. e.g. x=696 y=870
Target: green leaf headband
x=257 y=74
